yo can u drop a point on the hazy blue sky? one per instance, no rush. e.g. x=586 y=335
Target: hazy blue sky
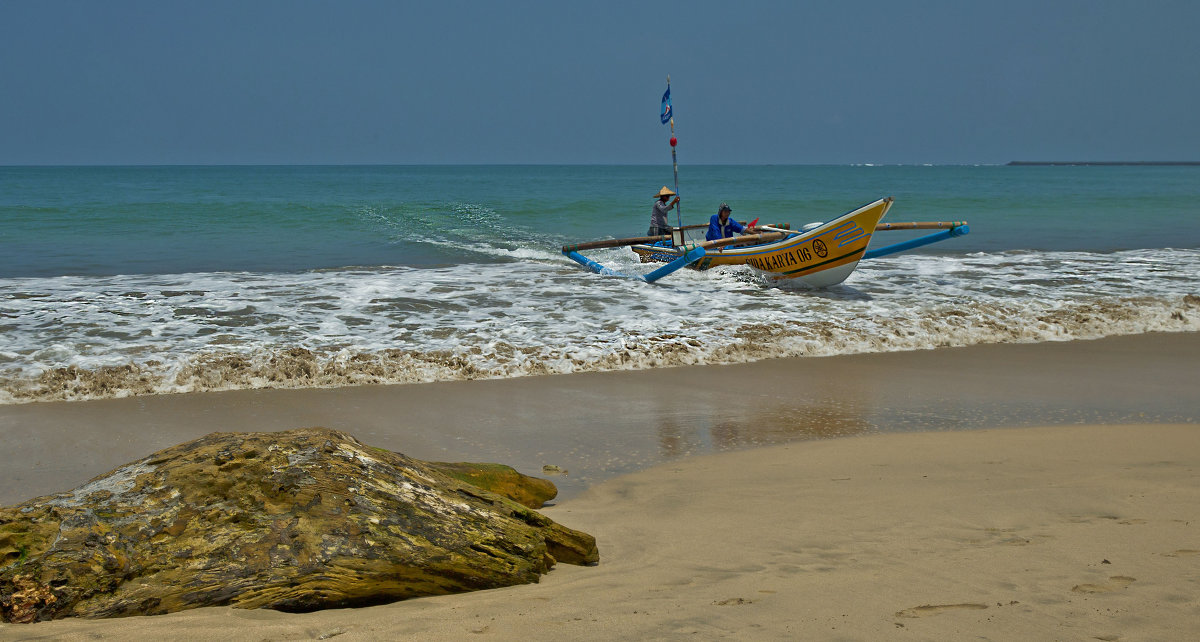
x=579 y=82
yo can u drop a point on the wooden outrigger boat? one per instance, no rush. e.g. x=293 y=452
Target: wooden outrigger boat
x=818 y=255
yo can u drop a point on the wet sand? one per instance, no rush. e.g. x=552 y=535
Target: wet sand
x=925 y=521
x=600 y=425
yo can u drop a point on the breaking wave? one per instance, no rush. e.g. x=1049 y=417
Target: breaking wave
x=72 y=338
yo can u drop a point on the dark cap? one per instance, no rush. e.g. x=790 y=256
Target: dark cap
x=724 y=208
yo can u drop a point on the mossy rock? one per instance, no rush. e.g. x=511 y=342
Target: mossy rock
x=298 y=521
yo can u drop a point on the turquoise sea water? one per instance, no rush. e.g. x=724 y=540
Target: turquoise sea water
x=135 y=280
x=147 y=220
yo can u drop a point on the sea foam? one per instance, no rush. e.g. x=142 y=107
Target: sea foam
x=93 y=337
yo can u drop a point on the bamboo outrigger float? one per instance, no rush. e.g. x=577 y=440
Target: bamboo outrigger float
x=819 y=255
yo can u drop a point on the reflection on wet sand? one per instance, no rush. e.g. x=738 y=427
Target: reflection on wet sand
x=769 y=425
x=784 y=424
x=674 y=438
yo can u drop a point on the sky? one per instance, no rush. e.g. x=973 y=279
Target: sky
x=573 y=82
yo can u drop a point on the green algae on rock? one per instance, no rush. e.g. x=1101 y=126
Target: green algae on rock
x=502 y=480
x=297 y=521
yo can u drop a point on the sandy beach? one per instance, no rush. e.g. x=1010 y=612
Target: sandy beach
x=1033 y=491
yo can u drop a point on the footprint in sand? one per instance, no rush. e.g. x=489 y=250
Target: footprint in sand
x=933 y=609
x=1114 y=583
x=1182 y=553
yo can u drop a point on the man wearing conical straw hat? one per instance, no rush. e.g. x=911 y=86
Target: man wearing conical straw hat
x=658 y=216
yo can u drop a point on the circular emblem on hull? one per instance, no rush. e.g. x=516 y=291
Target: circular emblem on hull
x=820 y=248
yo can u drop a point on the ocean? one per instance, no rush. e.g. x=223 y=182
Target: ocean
x=119 y=281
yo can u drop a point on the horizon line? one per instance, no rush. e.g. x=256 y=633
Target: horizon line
x=1012 y=163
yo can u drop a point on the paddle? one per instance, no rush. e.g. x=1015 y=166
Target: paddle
x=920 y=225
x=772 y=228
x=732 y=240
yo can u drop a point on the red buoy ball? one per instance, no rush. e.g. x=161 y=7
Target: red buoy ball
x=673 y=141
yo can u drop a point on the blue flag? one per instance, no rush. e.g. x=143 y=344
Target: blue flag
x=666 y=114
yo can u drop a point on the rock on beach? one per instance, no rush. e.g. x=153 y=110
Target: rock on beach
x=299 y=520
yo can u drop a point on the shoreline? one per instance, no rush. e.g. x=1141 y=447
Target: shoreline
x=604 y=424
x=949 y=493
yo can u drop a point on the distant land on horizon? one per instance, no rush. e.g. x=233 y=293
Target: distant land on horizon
x=1104 y=162
x=260 y=165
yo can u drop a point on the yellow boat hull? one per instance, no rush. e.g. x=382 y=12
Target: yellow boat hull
x=820 y=257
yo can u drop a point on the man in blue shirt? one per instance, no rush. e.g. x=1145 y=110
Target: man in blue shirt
x=721 y=226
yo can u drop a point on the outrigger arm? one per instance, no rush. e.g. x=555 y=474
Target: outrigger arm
x=950 y=229
x=956 y=228
x=689 y=257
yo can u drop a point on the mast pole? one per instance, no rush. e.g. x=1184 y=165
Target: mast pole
x=675 y=162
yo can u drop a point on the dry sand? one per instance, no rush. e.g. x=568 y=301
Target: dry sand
x=1071 y=532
